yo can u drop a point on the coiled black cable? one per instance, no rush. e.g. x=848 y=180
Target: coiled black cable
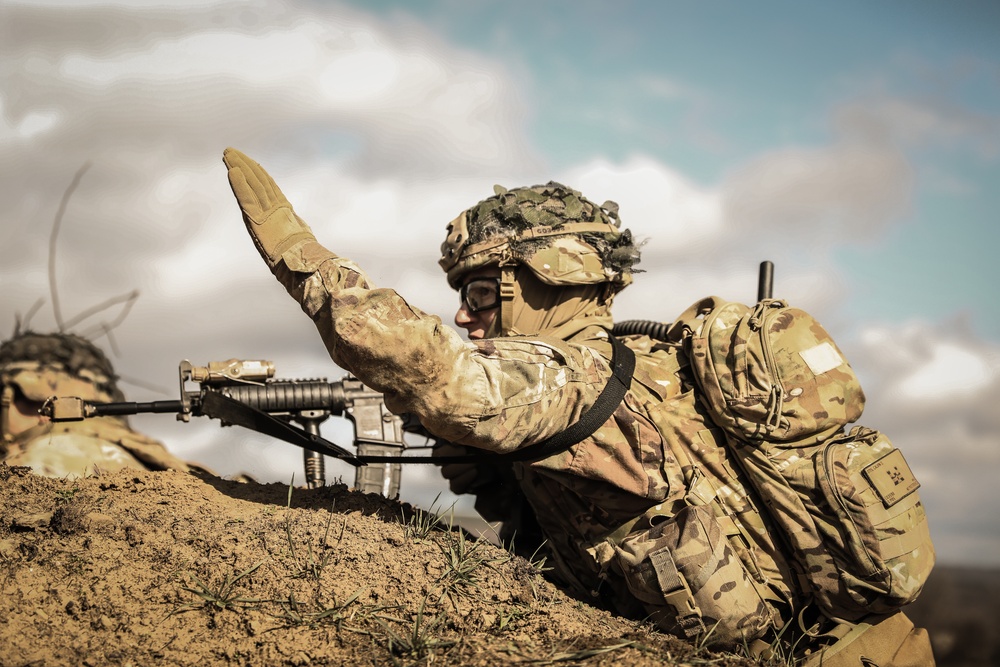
x=651 y=328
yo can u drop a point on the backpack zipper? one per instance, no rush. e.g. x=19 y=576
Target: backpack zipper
x=760 y=319
x=828 y=453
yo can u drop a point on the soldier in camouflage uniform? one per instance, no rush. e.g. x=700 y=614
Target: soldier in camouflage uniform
x=646 y=514
x=555 y=261
x=34 y=367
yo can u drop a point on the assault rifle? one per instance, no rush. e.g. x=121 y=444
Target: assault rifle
x=245 y=393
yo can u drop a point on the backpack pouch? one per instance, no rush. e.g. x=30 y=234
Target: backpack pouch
x=690 y=580
x=889 y=641
x=773 y=372
x=870 y=502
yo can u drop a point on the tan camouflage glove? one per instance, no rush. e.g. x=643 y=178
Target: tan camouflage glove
x=268 y=215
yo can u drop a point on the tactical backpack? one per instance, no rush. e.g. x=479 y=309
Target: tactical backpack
x=846 y=503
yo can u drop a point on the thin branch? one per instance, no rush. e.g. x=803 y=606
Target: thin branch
x=105 y=327
x=52 y=243
x=104 y=305
x=112 y=342
x=27 y=318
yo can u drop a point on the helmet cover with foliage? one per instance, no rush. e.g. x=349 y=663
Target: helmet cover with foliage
x=34 y=367
x=564 y=238
x=43 y=365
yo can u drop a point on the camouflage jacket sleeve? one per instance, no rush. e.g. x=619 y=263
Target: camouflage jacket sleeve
x=481 y=393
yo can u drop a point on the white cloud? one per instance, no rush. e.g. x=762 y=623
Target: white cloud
x=37 y=123
x=933 y=389
x=287 y=74
x=655 y=200
x=930 y=367
x=950 y=372
x=919 y=123
x=663 y=88
x=362 y=77
x=152 y=107
x=819 y=196
x=131 y=4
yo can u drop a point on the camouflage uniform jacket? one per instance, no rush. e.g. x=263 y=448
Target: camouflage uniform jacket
x=601 y=503
x=79 y=449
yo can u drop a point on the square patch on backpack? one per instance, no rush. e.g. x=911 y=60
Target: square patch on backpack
x=891 y=478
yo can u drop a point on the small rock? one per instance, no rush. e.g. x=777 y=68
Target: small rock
x=8 y=548
x=98 y=520
x=33 y=521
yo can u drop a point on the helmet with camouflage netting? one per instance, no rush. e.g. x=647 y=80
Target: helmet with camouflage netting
x=561 y=236
x=63 y=354
x=35 y=366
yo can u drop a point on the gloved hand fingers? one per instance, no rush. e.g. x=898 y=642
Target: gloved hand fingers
x=253 y=186
x=458 y=470
x=245 y=196
x=461 y=476
x=267 y=213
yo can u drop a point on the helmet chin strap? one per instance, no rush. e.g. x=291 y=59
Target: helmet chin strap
x=508 y=269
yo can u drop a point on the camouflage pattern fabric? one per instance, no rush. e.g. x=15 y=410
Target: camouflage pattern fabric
x=657 y=456
x=879 y=641
x=650 y=513
x=34 y=367
x=499 y=498
x=545 y=235
x=782 y=391
x=561 y=236
x=862 y=550
x=770 y=372
x=88 y=448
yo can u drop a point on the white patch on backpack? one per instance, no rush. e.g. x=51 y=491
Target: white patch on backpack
x=822 y=358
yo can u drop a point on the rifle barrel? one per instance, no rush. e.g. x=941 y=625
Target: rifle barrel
x=132 y=408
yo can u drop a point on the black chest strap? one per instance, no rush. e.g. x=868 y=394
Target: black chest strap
x=622 y=366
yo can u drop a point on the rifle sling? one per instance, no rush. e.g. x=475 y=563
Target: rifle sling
x=622 y=366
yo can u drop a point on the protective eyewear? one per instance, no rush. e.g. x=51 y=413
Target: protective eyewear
x=481 y=294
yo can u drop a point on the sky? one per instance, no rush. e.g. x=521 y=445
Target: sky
x=855 y=145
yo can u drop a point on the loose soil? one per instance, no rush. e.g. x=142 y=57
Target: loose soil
x=166 y=568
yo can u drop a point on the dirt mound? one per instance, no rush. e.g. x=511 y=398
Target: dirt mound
x=141 y=568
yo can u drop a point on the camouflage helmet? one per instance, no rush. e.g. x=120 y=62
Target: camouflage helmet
x=561 y=236
x=41 y=365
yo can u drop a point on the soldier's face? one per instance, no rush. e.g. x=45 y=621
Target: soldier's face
x=477 y=323
x=21 y=414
